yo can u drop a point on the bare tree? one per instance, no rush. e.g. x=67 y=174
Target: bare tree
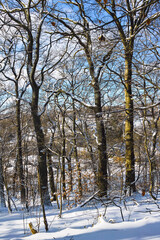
x=129 y=19
x=150 y=113
x=29 y=18
x=82 y=35
x=12 y=73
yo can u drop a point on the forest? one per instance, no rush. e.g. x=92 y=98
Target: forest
x=79 y=101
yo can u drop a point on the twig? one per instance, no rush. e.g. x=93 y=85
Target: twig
x=90 y=199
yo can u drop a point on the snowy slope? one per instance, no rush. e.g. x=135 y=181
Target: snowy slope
x=141 y=222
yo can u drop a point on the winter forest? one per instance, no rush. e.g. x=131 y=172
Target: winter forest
x=79 y=105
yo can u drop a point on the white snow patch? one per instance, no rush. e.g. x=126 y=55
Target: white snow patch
x=88 y=223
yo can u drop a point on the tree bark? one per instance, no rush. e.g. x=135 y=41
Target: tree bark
x=2 y=198
x=150 y=151
x=75 y=149
x=101 y=143
x=69 y=162
x=49 y=163
x=42 y=163
x=19 y=147
x=51 y=176
x=129 y=141
x=100 y=130
x=63 y=156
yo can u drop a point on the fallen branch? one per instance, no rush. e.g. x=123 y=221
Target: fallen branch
x=90 y=199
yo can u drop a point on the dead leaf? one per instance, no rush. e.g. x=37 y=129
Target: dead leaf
x=53 y=24
x=143 y=192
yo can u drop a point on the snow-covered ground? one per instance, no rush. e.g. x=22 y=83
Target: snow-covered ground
x=141 y=217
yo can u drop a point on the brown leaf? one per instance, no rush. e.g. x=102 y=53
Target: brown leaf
x=100 y=21
x=105 y=1
x=143 y=192
x=53 y=24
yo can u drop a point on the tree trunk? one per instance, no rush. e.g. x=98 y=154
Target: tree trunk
x=152 y=162
x=130 y=159
x=75 y=150
x=14 y=179
x=26 y=175
x=100 y=129
x=19 y=148
x=2 y=198
x=51 y=176
x=101 y=143
x=69 y=161
x=90 y=149
x=50 y=169
x=150 y=151
x=42 y=164
x=63 y=156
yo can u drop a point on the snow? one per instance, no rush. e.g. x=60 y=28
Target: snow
x=141 y=222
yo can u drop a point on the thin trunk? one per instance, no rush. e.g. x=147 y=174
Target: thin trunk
x=8 y=197
x=2 y=198
x=70 y=169
x=63 y=156
x=151 y=165
x=57 y=183
x=14 y=179
x=27 y=179
x=75 y=151
x=51 y=176
x=151 y=153
x=101 y=143
x=19 y=148
x=60 y=189
x=129 y=141
x=59 y=180
x=90 y=149
x=50 y=169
